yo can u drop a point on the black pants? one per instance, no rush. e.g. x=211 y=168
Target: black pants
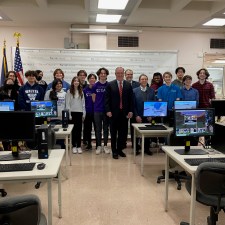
x=77 y=129
x=89 y=120
x=132 y=120
x=118 y=130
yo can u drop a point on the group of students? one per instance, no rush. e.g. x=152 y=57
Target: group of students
x=103 y=105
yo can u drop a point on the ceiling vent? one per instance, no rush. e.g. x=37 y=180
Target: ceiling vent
x=124 y=41
x=217 y=43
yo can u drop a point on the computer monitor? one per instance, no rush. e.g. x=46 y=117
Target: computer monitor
x=17 y=126
x=193 y=123
x=44 y=109
x=155 y=109
x=7 y=105
x=219 y=106
x=185 y=104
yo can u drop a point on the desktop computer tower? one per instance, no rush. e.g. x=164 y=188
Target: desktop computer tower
x=65 y=118
x=43 y=140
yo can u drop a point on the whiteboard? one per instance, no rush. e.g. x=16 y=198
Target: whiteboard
x=73 y=60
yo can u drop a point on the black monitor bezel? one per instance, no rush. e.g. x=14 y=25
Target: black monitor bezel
x=31 y=122
x=52 y=116
x=157 y=102
x=196 y=135
x=218 y=112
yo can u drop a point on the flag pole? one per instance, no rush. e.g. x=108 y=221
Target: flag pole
x=17 y=62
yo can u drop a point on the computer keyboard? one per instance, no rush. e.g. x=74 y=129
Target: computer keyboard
x=153 y=127
x=16 y=167
x=198 y=161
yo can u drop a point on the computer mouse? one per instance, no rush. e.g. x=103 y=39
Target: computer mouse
x=64 y=129
x=41 y=166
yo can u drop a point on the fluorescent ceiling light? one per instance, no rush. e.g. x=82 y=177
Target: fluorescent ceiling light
x=219 y=61
x=112 y=4
x=1 y=18
x=96 y=31
x=105 y=18
x=215 y=22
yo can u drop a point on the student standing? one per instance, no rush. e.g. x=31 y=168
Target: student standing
x=180 y=71
x=12 y=75
x=119 y=108
x=82 y=74
x=75 y=103
x=30 y=91
x=101 y=120
x=141 y=95
x=59 y=74
x=169 y=92
x=205 y=88
x=188 y=92
x=40 y=81
x=57 y=93
x=157 y=82
x=89 y=106
x=8 y=92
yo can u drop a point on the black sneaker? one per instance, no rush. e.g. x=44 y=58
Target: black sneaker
x=89 y=147
x=148 y=152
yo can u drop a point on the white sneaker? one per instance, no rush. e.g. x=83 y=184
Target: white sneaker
x=74 y=150
x=79 y=150
x=106 y=150
x=98 y=150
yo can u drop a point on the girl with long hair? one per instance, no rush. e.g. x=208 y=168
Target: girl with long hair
x=75 y=103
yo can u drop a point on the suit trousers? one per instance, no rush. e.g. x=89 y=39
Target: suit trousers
x=118 y=130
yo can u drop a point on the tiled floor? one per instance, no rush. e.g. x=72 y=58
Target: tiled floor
x=104 y=191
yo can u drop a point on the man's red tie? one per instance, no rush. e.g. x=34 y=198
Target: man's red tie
x=121 y=94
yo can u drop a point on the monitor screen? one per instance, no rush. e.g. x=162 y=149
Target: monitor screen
x=219 y=106
x=44 y=108
x=194 y=122
x=185 y=104
x=6 y=105
x=155 y=109
x=17 y=126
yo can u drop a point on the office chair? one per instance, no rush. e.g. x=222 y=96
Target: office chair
x=178 y=176
x=210 y=188
x=19 y=210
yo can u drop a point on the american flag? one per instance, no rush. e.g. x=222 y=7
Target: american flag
x=4 y=66
x=18 y=67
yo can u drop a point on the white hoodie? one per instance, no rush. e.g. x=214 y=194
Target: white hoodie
x=61 y=103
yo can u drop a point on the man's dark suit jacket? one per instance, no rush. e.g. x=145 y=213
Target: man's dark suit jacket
x=135 y=84
x=112 y=98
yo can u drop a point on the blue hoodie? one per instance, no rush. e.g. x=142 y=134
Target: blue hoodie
x=29 y=93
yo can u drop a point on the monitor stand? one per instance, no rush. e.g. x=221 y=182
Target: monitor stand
x=190 y=151
x=10 y=157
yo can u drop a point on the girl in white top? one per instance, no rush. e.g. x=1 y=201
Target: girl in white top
x=75 y=103
x=57 y=93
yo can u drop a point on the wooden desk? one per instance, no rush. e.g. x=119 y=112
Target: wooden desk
x=170 y=153
x=146 y=133
x=51 y=170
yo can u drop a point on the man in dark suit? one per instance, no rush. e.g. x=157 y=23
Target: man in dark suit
x=119 y=107
x=129 y=77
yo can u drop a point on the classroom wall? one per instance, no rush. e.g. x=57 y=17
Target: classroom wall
x=191 y=44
